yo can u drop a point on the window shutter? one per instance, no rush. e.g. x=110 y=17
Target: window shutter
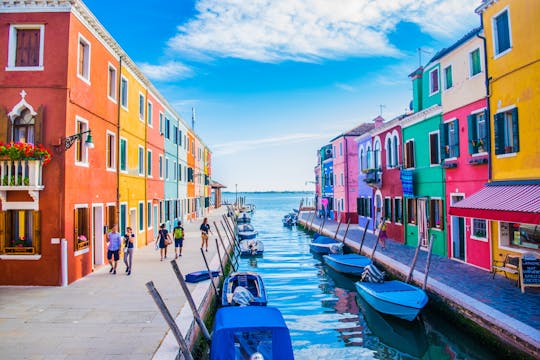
x=75 y=224
x=9 y=229
x=27 y=52
x=499 y=133
x=443 y=131
x=456 y=138
x=3 y=229
x=4 y=126
x=471 y=126
x=38 y=126
x=515 y=129
x=36 y=241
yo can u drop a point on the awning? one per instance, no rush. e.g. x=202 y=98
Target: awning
x=510 y=203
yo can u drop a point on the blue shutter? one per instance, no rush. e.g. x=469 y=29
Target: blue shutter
x=503 y=32
x=443 y=132
x=499 y=133
x=515 y=129
x=471 y=123
x=456 y=138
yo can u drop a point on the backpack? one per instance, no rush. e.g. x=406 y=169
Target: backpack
x=178 y=233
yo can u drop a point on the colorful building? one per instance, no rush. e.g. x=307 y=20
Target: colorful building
x=364 y=200
x=327 y=181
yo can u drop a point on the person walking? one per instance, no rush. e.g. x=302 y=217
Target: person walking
x=114 y=241
x=383 y=236
x=205 y=228
x=129 y=240
x=164 y=240
x=178 y=234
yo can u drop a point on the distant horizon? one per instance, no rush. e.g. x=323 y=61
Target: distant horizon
x=270 y=191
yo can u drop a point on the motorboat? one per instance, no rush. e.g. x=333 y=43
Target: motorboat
x=251 y=247
x=243 y=218
x=246 y=231
x=290 y=219
x=250 y=332
x=325 y=245
x=243 y=288
x=352 y=264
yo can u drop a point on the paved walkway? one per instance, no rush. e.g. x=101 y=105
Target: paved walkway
x=104 y=316
x=498 y=301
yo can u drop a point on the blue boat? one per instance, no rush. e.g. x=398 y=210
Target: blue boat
x=394 y=298
x=251 y=247
x=325 y=245
x=234 y=287
x=243 y=218
x=198 y=276
x=242 y=332
x=246 y=231
x=352 y=264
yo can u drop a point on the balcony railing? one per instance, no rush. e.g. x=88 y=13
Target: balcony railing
x=21 y=175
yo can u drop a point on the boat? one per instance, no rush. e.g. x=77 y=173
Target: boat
x=394 y=297
x=325 y=245
x=251 y=247
x=352 y=264
x=243 y=218
x=236 y=285
x=198 y=276
x=246 y=231
x=290 y=219
x=250 y=332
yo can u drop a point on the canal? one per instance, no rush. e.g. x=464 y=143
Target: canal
x=326 y=318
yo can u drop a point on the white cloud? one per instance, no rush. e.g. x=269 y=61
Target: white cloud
x=235 y=147
x=166 y=72
x=345 y=87
x=312 y=30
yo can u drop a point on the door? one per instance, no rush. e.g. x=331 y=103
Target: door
x=378 y=209
x=458 y=233
x=133 y=220
x=98 y=242
x=422 y=222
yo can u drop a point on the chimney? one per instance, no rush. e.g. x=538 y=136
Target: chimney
x=378 y=121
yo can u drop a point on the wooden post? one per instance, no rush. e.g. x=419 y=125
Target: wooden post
x=321 y=227
x=337 y=230
x=346 y=231
x=189 y=298
x=363 y=237
x=311 y=224
x=223 y=244
x=169 y=319
x=432 y=240
x=227 y=234
x=209 y=273
x=376 y=243
x=230 y=228
x=219 y=257
x=409 y=276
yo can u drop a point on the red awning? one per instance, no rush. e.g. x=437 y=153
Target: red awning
x=510 y=203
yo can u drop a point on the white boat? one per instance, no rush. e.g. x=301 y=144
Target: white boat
x=246 y=231
x=251 y=247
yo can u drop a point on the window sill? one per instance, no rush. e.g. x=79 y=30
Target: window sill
x=25 y=68
x=508 y=155
x=82 y=164
x=82 y=251
x=483 y=239
x=84 y=80
x=20 y=257
x=496 y=56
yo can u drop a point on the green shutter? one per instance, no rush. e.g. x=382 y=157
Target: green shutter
x=443 y=131
x=499 y=133
x=515 y=129
x=471 y=123
x=456 y=137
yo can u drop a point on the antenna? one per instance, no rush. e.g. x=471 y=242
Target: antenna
x=381 y=106
x=420 y=51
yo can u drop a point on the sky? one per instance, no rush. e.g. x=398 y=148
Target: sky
x=272 y=81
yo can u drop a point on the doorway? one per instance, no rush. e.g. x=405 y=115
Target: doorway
x=98 y=246
x=133 y=220
x=458 y=232
x=421 y=214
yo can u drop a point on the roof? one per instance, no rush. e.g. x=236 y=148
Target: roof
x=511 y=203
x=215 y=185
x=357 y=131
x=457 y=44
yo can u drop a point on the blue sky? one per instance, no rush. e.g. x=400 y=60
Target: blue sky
x=272 y=81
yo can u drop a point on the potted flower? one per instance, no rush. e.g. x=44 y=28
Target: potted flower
x=24 y=151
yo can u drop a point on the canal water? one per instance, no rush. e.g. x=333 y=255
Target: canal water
x=326 y=318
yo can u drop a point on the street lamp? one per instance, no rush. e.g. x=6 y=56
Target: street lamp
x=70 y=140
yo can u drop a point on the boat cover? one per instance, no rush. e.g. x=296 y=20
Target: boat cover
x=231 y=321
x=197 y=276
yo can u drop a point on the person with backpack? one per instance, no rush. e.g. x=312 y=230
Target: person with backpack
x=129 y=239
x=164 y=240
x=178 y=234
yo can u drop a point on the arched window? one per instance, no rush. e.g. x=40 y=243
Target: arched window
x=377 y=154
x=368 y=157
x=396 y=151
x=362 y=159
x=23 y=127
x=389 y=155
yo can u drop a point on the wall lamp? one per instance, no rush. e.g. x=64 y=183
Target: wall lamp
x=70 y=140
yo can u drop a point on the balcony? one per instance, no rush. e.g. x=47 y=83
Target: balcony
x=20 y=175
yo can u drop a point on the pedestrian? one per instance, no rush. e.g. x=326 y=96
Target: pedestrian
x=382 y=235
x=164 y=240
x=129 y=240
x=178 y=234
x=114 y=241
x=205 y=228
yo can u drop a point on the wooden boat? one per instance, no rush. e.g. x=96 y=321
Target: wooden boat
x=251 y=247
x=243 y=218
x=352 y=264
x=242 y=332
x=393 y=297
x=325 y=245
x=197 y=276
x=246 y=231
x=249 y=281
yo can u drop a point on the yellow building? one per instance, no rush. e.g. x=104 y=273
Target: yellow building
x=511 y=200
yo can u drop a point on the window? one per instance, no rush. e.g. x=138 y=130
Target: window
x=141 y=107
x=434 y=148
x=161 y=166
x=341 y=179
x=436 y=214
x=81 y=228
x=149 y=163
x=449 y=139
x=179 y=137
x=112 y=83
x=166 y=168
x=175 y=135
x=141 y=160
x=111 y=214
x=167 y=128
x=396 y=152
x=26 y=47
x=111 y=151
x=501 y=32
x=474 y=62
x=388 y=209
x=506 y=132
x=124 y=92
x=525 y=236
x=179 y=172
x=141 y=216
x=433 y=81
x=122 y=221
x=409 y=154
x=149 y=113
x=363 y=206
x=477 y=132
x=83 y=59
x=81 y=151
x=149 y=215
x=24 y=127
x=123 y=154
x=389 y=154
x=411 y=211
x=448 y=82
x=377 y=154
x=479 y=228
x=161 y=123
x=340 y=149
x=174 y=170
x=398 y=211
x=21 y=234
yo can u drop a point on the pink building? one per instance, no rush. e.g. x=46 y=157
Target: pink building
x=345 y=151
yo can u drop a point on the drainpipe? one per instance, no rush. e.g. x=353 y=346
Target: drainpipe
x=488 y=95
x=118 y=106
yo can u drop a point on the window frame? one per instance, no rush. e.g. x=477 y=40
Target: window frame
x=12 y=47
x=161 y=166
x=471 y=63
x=124 y=93
x=436 y=207
x=110 y=152
x=506 y=134
x=149 y=163
x=142 y=106
x=434 y=149
x=140 y=217
x=149 y=113
x=495 y=32
x=76 y=248
x=433 y=91
x=84 y=162
x=140 y=160
x=412 y=210
x=149 y=215
x=409 y=160
x=475 y=231
x=448 y=86
x=123 y=156
x=112 y=83
x=87 y=65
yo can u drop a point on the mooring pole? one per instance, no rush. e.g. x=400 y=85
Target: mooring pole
x=189 y=298
x=376 y=244
x=209 y=273
x=223 y=244
x=169 y=319
x=337 y=230
x=346 y=230
x=363 y=237
x=409 y=276
x=219 y=257
x=432 y=240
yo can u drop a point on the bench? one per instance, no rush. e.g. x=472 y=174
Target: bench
x=510 y=265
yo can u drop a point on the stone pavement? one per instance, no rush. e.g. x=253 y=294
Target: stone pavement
x=499 y=302
x=105 y=316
